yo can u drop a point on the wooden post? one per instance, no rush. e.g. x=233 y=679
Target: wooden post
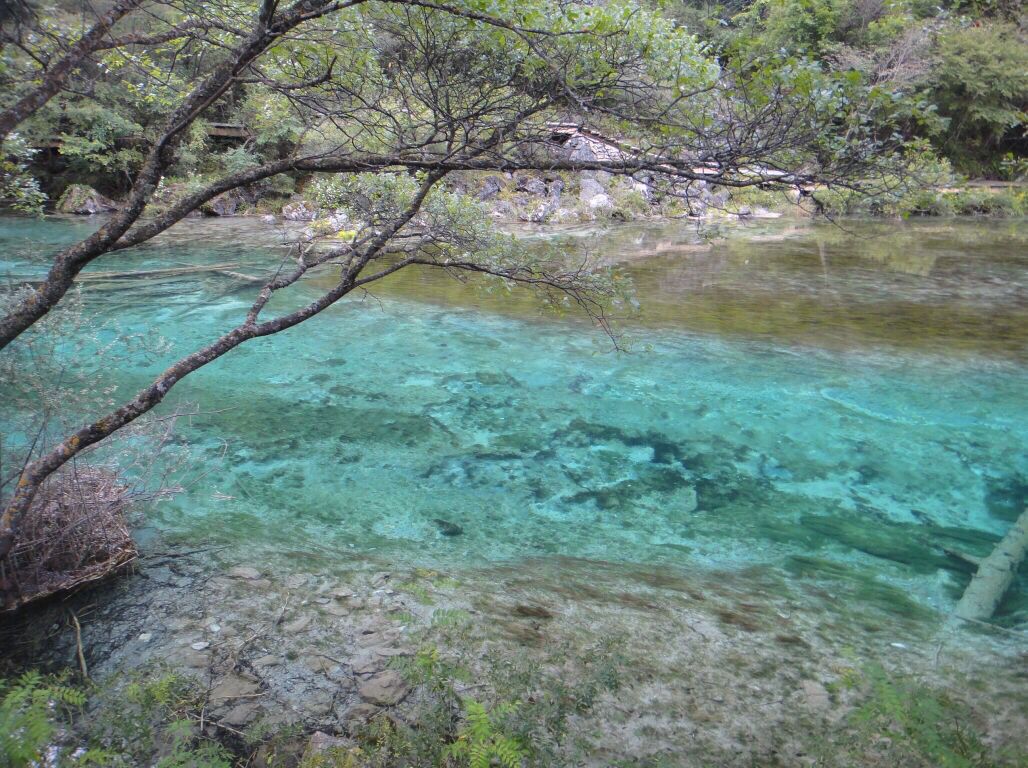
x=995 y=574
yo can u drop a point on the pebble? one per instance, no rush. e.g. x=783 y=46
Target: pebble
x=200 y=646
x=214 y=627
x=385 y=689
x=146 y=637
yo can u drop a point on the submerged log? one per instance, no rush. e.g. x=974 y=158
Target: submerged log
x=995 y=574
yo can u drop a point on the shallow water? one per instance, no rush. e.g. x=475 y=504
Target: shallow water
x=840 y=403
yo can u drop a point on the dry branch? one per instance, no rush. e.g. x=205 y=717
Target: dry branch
x=74 y=534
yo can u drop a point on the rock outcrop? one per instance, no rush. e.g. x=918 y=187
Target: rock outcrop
x=85 y=201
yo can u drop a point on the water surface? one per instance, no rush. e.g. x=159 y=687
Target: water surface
x=838 y=403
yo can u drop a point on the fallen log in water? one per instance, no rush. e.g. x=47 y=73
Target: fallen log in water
x=995 y=574
x=167 y=271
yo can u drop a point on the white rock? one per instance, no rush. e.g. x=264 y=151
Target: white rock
x=200 y=646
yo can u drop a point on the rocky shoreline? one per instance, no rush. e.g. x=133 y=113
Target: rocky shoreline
x=525 y=197
x=719 y=668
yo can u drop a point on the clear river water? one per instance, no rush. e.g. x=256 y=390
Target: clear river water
x=839 y=403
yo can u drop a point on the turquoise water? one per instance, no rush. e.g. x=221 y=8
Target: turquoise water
x=793 y=398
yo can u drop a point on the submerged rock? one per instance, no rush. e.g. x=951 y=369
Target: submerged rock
x=533 y=611
x=85 y=201
x=297 y=625
x=244 y=572
x=385 y=689
x=446 y=528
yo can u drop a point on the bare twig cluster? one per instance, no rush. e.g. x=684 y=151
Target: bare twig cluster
x=75 y=533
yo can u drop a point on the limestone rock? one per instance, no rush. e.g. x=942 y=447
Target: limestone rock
x=385 y=689
x=588 y=189
x=84 y=200
x=601 y=201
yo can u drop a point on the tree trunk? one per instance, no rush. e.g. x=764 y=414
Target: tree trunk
x=995 y=574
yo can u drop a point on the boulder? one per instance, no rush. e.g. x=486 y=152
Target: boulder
x=224 y=204
x=601 y=201
x=504 y=209
x=532 y=186
x=491 y=186
x=84 y=201
x=384 y=689
x=590 y=188
x=301 y=210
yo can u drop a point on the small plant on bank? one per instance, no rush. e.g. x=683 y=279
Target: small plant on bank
x=481 y=741
x=902 y=723
x=30 y=715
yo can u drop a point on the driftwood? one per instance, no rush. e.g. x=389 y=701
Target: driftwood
x=995 y=574
x=74 y=534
